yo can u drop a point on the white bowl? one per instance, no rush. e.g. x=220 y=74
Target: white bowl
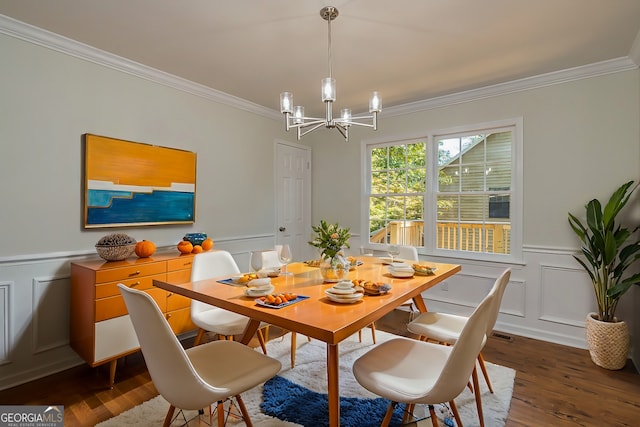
x=259 y=283
x=259 y=292
x=401 y=272
x=340 y=291
x=344 y=284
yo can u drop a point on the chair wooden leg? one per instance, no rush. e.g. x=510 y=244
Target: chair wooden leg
x=263 y=344
x=408 y=412
x=388 y=415
x=434 y=417
x=220 y=413
x=476 y=387
x=198 y=337
x=484 y=371
x=373 y=332
x=360 y=335
x=456 y=414
x=169 y=417
x=243 y=410
x=293 y=349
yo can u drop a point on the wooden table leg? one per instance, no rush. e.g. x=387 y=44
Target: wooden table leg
x=333 y=389
x=419 y=302
x=250 y=331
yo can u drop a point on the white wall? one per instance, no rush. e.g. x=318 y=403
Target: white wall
x=49 y=100
x=581 y=141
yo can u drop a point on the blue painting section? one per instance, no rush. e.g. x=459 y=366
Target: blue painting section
x=102 y=198
x=158 y=206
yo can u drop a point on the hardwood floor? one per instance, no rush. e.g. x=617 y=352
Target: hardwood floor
x=555 y=385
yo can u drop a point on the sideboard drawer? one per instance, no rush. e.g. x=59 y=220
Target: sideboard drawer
x=105 y=290
x=108 y=308
x=130 y=272
x=180 y=263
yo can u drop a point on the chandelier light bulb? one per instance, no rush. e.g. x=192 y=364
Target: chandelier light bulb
x=298 y=115
x=345 y=113
x=375 y=103
x=328 y=89
x=286 y=102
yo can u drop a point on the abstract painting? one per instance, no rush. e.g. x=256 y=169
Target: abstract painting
x=132 y=184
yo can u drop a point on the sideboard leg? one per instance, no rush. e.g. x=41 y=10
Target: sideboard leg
x=112 y=372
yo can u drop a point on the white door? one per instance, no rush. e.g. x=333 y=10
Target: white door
x=293 y=198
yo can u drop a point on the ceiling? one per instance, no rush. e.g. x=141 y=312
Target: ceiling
x=408 y=50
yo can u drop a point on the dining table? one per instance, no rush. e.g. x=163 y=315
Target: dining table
x=313 y=314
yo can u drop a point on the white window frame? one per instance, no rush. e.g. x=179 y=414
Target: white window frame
x=430 y=199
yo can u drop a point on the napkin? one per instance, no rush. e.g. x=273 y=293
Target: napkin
x=260 y=283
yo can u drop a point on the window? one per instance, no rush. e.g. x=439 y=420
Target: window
x=458 y=202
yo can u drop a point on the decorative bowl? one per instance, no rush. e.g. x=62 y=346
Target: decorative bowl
x=195 y=238
x=115 y=252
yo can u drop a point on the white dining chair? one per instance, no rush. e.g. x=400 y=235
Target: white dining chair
x=446 y=328
x=414 y=372
x=198 y=377
x=409 y=254
x=209 y=318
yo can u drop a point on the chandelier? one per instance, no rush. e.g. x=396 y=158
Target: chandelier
x=294 y=116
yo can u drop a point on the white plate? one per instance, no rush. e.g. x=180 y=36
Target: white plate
x=258 y=292
x=345 y=299
x=340 y=291
x=401 y=272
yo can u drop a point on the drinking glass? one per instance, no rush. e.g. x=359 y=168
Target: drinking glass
x=393 y=251
x=255 y=260
x=285 y=258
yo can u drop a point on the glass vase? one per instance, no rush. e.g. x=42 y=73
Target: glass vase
x=334 y=269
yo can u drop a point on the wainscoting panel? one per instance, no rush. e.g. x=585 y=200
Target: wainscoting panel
x=50 y=323
x=5 y=288
x=566 y=295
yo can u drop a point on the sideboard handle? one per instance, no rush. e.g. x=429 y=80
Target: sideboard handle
x=134 y=284
x=135 y=273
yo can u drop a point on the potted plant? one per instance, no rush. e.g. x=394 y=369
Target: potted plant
x=607 y=253
x=330 y=239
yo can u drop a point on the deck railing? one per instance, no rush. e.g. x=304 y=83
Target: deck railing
x=474 y=237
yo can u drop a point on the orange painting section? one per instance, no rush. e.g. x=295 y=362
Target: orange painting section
x=130 y=163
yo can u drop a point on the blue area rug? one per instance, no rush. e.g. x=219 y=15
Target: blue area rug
x=291 y=402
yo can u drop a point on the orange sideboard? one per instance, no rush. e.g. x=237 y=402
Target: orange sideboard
x=100 y=328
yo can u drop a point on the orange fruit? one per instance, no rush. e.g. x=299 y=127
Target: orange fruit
x=207 y=244
x=196 y=249
x=185 y=247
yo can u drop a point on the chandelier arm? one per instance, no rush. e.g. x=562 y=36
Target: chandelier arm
x=313 y=122
x=344 y=131
x=309 y=130
x=352 y=123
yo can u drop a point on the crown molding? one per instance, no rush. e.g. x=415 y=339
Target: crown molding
x=542 y=80
x=44 y=38
x=634 y=53
x=47 y=39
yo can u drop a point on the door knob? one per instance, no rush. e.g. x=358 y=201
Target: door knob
x=283 y=229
